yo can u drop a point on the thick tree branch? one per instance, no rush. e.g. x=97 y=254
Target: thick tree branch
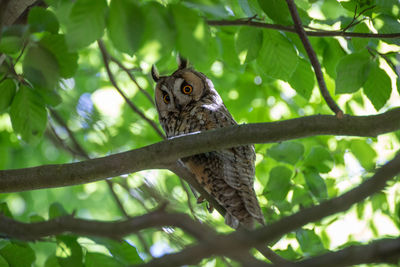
x=113 y=230
x=319 y=33
x=164 y=154
x=233 y=245
x=381 y=251
x=313 y=59
x=242 y=240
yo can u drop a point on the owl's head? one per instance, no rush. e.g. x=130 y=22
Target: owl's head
x=185 y=86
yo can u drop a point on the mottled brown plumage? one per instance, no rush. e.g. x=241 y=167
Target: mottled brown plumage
x=187 y=102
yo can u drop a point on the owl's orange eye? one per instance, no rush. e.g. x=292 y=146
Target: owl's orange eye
x=166 y=98
x=187 y=89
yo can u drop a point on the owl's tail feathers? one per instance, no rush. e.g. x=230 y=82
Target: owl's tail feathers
x=231 y=220
x=247 y=221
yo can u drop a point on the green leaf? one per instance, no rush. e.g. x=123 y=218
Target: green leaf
x=56 y=210
x=41 y=68
x=289 y=152
x=126 y=25
x=278 y=184
x=7 y=93
x=302 y=79
x=310 y=243
x=122 y=251
x=378 y=87
x=278 y=58
x=289 y=253
x=387 y=24
x=159 y=28
x=364 y=153
x=18 y=255
x=193 y=38
x=98 y=259
x=360 y=43
x=52 y=261
x=301 y=196
x=228 y=52
x=41 y=19
x=248 y=43
x=67 y=61
x=277 y=10
x=28 y=115
x=319 y=158
x=352 y=72
x=86 y=23
x=5 y=210
x=332 y=54
x=51 y=98
x=72 y=252
x=10 y=44
x=3 y=262
x=315 y=184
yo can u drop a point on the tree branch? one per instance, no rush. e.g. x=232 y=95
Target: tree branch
x=319 y=33
x=313 y=59
x=380 y=251
x=242 y=240
x=165 y=153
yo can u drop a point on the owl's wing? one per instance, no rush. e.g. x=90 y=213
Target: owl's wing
x=238 y=163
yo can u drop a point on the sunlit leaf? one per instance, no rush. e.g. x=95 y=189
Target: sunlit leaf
x=316 y=184
x=364 y=153
x=7 y=93
x=310 y=243
x=306 y=83
x=28 y=114
x=67 y=61
x=98 y=259
x=278 y=183
x=126 y=25
x=41 y=19
x=41 y=68
x=86 y=23
x=319 y=158
x=378 y=87
x=20 y=255
x=248 y=42
x=352 y=72
x=289 y=152
x=278 y=58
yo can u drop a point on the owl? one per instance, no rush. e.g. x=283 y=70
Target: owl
x=187 y=102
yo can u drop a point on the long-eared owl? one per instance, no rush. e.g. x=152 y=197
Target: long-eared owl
x=187 y=102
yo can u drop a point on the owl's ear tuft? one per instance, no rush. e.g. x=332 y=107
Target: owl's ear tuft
x=154 y=73
x=183 y=63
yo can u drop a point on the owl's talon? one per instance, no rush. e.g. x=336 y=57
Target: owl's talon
x=200 y=199
x=210 y=207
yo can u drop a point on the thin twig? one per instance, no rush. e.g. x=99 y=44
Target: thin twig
x=319 y=33
x=79 y=150
x=188 y=199
x=313 y=58
x=129 y=72
x=106 y=60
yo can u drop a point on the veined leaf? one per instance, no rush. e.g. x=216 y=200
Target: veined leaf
x=126 y=25
x=28 y=114
x=378 y=87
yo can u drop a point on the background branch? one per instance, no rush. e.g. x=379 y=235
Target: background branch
x=242 y=240
x=313 y=59
x=165 y=153
x=319 y=33
x=381 y=251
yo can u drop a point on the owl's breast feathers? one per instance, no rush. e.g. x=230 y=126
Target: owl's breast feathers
x=228 y=175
